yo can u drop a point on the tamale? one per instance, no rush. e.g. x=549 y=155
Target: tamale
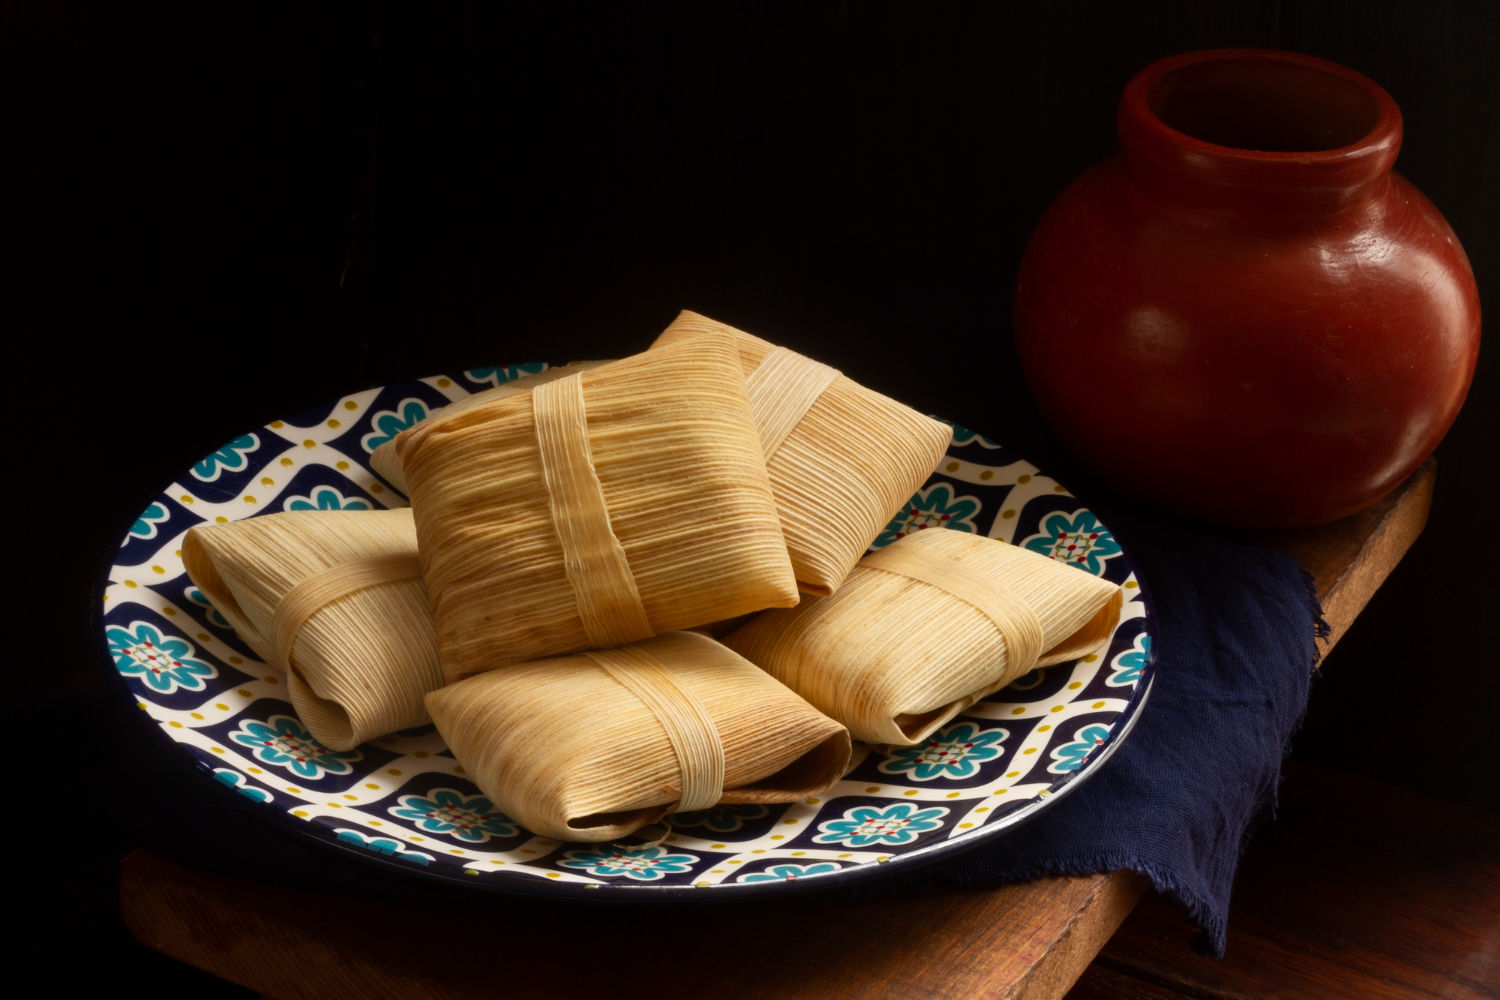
x=334 y=600
x=603 y=508
x=841 y=458
x=593 y=746
x=387 y=463
x=926 y=627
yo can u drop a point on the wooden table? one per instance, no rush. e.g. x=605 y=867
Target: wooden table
x=1029 y=941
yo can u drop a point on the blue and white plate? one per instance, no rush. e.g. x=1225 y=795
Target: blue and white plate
x=404 y=801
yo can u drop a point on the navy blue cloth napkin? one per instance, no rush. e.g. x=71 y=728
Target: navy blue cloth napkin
x=1176 y=801
x=1179 y=798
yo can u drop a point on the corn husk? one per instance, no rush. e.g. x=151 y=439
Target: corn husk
x=570 y=751
x=387 y=463
x=362 y=659
x=841 y=472
x=685 y=531
x=893 y=658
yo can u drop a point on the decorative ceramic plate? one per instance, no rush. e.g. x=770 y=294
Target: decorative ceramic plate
x=405 y=802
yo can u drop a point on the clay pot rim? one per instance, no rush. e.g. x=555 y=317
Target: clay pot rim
x=1383 y=137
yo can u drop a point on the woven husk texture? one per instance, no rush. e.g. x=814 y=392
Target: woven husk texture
x=570 y=752
x=387 y=463
x=893 y=658
x=361 y=665
x=678 y=460
x=843 y=471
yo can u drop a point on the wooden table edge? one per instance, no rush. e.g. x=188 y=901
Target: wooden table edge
x=1073 y=934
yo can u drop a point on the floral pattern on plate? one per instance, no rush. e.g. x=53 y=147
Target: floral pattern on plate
x=445 y=810
x=282 y=741
x=165 y=664
x=954 y=752
x=643 y=864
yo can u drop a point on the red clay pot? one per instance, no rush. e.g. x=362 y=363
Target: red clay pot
x=1246 y=317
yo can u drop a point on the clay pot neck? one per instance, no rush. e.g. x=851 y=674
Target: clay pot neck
x=1258 y=133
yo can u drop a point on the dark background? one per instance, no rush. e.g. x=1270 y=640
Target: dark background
x=216 y=216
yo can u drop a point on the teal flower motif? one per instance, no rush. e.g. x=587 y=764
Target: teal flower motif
x=506 y=373
x=720 y=819
x=1128 y=665
x=788 y=873
x=643 y=864
x=164 y=664
x=145 y=525
x=1077 y=539
x=236 y=781
x=934 y=507
x=325 y=498
x=444 y=810
x=384 y=845
x=1071 y=756
x=955 y=752
x=230 y=458
x=962 y=435
x=195 y=596
x=389 y=423
x=282 y=741
x=866 y=825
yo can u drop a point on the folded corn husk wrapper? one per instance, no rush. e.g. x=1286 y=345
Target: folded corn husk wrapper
x=894 y=657
x=625 y=501
x=387 y=463
x=332 y=599
x=576 y=750
x=842 y=459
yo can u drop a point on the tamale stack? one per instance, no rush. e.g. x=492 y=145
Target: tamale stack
x=600 y=509
x=841 y=458
x=387 y=463
x=334 y=600
x=594 y=746
x=927 y=626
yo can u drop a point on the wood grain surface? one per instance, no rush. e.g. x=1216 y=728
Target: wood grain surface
x=1022 y=942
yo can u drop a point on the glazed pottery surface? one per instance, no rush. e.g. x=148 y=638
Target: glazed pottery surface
x=1245 y=310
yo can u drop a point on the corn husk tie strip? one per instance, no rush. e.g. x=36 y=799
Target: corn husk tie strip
x=782 y=389
x=1018 y=625
x=609 y=603
x=316 y=592
x=694 y=737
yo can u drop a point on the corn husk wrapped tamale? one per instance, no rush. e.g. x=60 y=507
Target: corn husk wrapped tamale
x=926 y=627
x=332 y=599
x=841 y=458
x=603 y=508
x=593 y=746
x=387 y=463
